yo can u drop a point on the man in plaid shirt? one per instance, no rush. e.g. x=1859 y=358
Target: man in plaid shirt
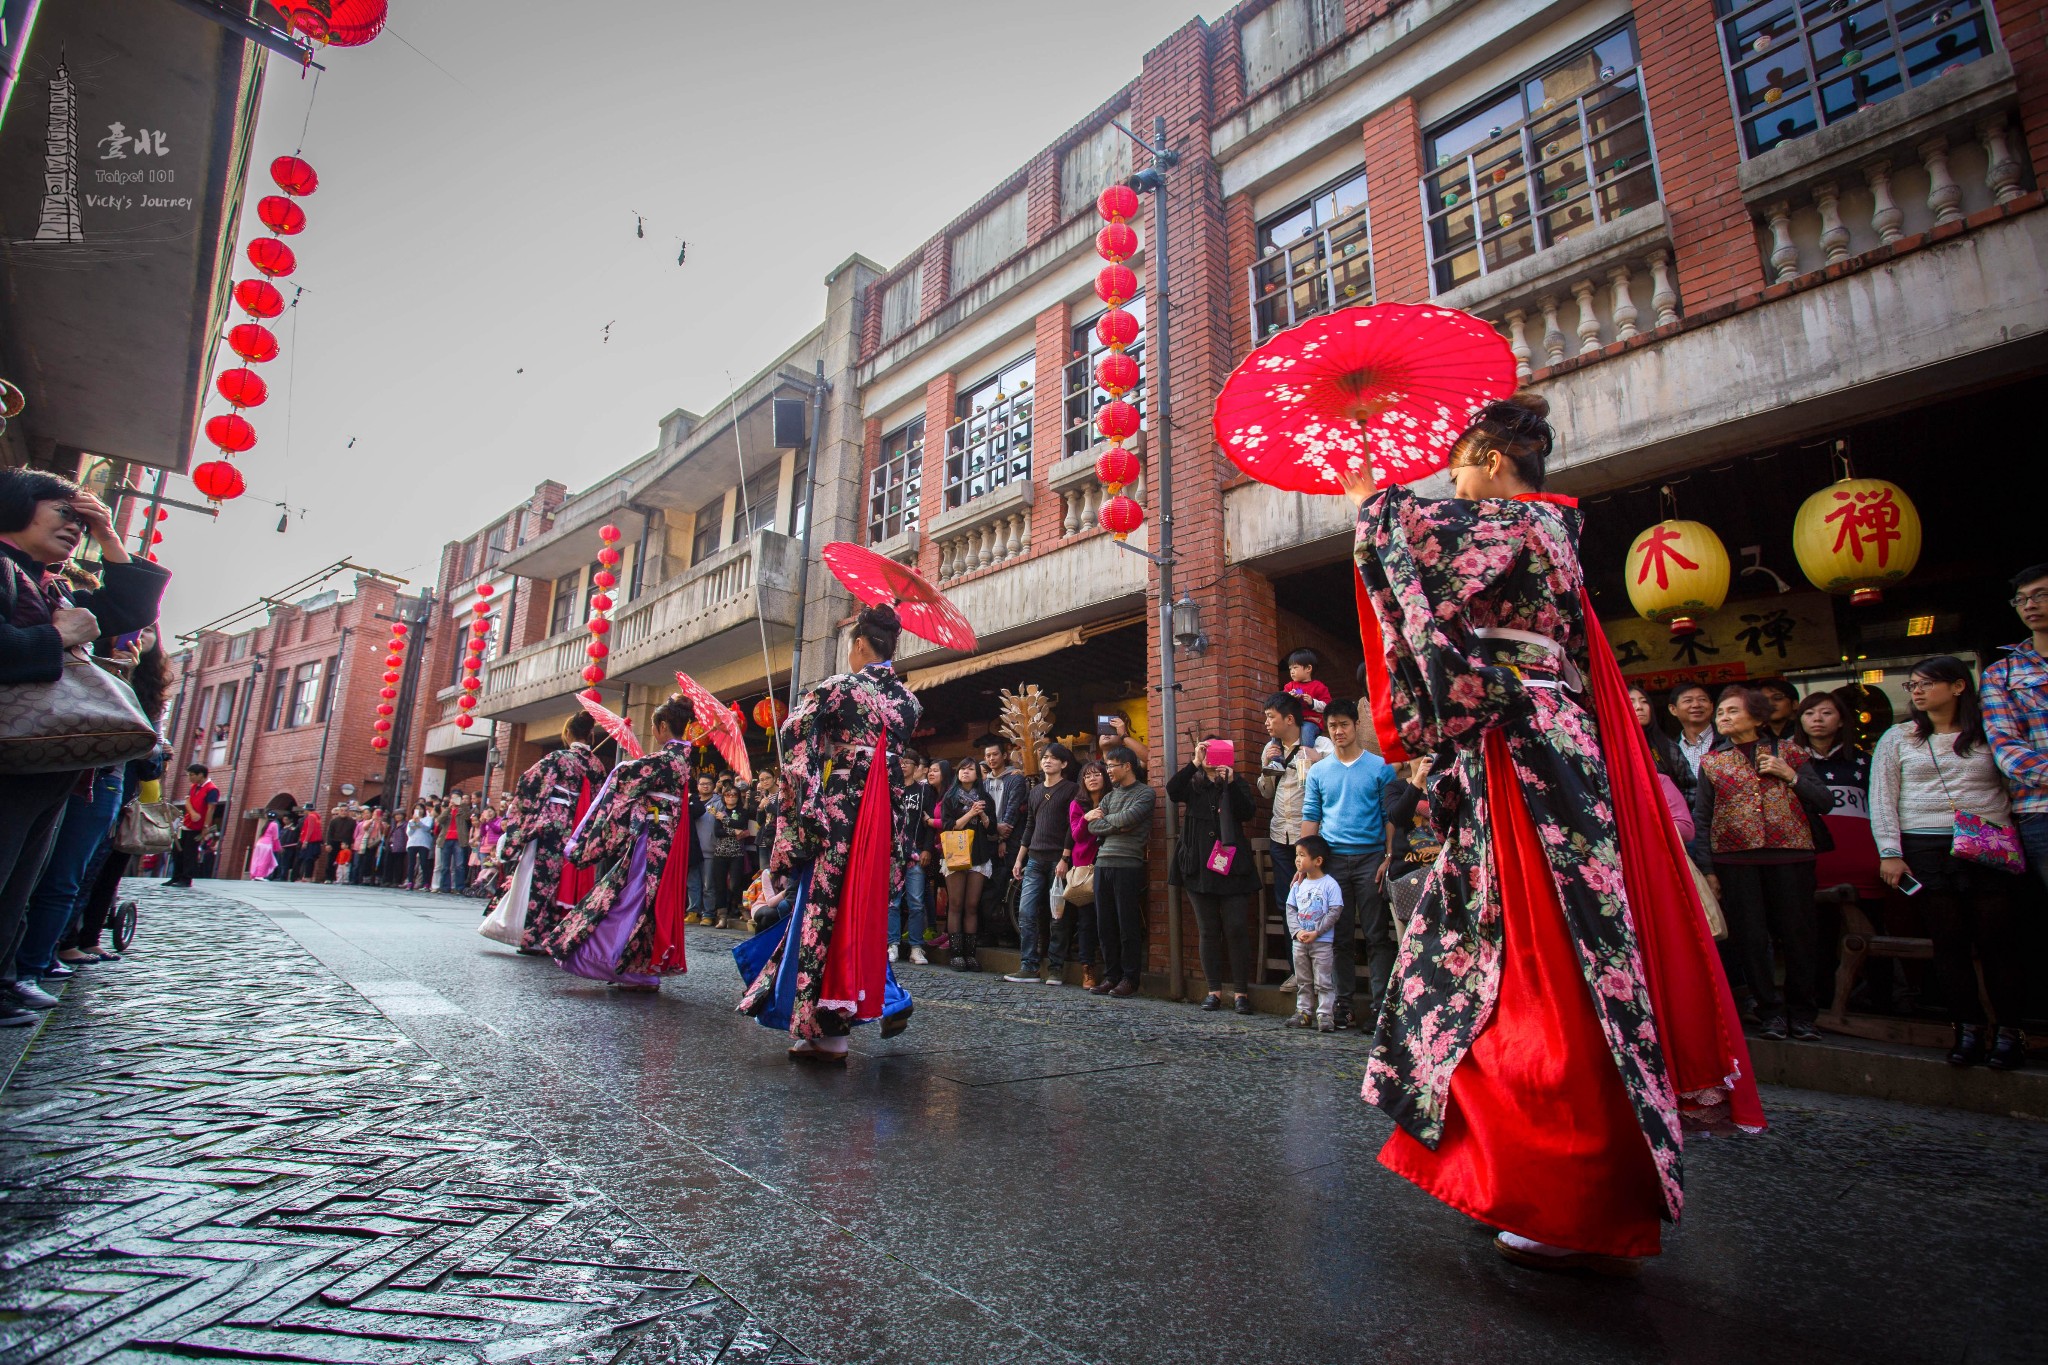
x=2015 y=700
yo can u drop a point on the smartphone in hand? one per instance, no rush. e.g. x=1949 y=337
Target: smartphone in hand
x=1908 y=884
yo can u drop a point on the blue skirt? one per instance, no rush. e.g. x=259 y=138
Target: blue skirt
x=779 y=940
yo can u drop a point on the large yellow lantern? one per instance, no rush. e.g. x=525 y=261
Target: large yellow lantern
x=1677 y=572
x=1857 y=536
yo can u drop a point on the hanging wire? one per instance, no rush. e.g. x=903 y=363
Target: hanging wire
x=747 y=515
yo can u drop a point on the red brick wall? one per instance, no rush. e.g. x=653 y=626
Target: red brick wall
x=1393 y=166
x=938 y=415
x=1698 y=153
x=936 y=269
x=1042 y=196
x=1048 y=421
x=2024 y=26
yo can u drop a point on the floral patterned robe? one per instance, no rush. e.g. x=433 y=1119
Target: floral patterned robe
x=644 y=798
x=1432 y=570
x=827 y=743
x=543 y=812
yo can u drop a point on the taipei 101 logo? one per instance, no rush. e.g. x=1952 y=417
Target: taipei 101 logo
x=59 y=219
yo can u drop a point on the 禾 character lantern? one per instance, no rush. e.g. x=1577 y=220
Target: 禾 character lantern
x=1857 y=536
x=1677 y=572
x=770 y=712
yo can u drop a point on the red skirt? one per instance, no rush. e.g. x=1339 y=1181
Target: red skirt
x=1540 y=1138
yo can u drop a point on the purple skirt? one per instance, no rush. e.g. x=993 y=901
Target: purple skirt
x=598 y=958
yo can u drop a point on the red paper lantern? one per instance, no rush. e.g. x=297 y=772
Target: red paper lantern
x=599 y=626
x=597 y=649
x=1118 y=203
x=608 y=556
x=591 y=694
x=388 y=693
x=484 y=590
x=351 y=23
x=294 y=176
x=381 y=726
x=1115 y=285
x=472 y=683
x=1117 y=467
x=387 y=709
x=397 y=642
x=1116 y=328
x=272 y=257
x=156 y=537
x=1117 y=242
x=231 y=432
x=259 y=298
x=466 y=701
x=379 y=742
x=399 y=628
x=280 y=215
x=1116 y=421
x=604 y=578
x=1117 y=372
x=152 y=556
x=600 y=603
x=770 y=712
x=480 y=629
x=593 y=673
x=163 y=514
x=481 y=608
x=392 y=661
x=607 y=533
x=1121 y=516
x=243 y=388
x=391 y=677
x=218 y=480
x=253 y=342
x=464 y=721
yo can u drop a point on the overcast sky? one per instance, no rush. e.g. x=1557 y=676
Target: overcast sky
x=474 y=224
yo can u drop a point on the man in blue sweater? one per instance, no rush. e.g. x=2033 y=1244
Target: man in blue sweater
x=1345 y=802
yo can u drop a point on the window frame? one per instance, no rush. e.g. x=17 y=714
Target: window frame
x=562 y=608
x=1081 y=397
x=747 y=508
x=279 y=709
x=305 y=709
x=1005 y=424
x=900 y=472
x=1346 y=228
x=710 y=519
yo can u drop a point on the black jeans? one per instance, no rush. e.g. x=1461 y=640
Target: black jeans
x=1970 y=914
x=1357 y=875
x=184 y=858
x=1766 y=901
x=1120 y=891
x=1224 y=922
x=30 y=808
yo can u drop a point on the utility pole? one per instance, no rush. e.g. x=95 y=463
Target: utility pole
x=408 y=688
x=803 y=562
x=230 y=821
x=327 y=727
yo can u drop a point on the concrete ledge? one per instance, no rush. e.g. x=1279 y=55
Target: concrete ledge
x=1553 y=269
x=1909 y=1075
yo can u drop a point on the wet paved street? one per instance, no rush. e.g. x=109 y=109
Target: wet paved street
x=341 y=1126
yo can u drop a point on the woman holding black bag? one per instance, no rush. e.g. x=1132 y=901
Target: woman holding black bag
x=1215 y=866
x=43 y=520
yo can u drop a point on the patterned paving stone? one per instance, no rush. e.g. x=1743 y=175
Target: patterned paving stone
x=218 y=1149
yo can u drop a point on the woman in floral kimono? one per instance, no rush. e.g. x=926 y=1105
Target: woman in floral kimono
x=551 y=800
x=842 y=836
x=1519 y=1049
x=629 y=930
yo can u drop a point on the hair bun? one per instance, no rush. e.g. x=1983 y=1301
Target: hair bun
x=1530 y=401
x=881 y=615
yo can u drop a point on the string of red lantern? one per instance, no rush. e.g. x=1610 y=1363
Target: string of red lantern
x=604 y=580
x=253 y=343
x=473 y=661
x=387 y=705
x=156 y=534
x=1117 y=372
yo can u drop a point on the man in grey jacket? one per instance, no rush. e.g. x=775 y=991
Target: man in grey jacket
x=1123 y=824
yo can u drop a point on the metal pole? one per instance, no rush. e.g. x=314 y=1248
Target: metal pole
x=230 y=822
x=803 y=564
x=1162 y=428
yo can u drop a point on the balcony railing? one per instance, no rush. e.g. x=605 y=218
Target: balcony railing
x=1322 y=270
x=989 y=448
x=1565 y=169
x=1794 y=66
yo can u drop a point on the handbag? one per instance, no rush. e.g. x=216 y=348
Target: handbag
x=1058 y=897
x=1717 y=923
x=956 y=846
x=506 y=923
x=1975 y=839
x=147 y=827
x=87 y=718
x=1081 y=885
x=1222 y=857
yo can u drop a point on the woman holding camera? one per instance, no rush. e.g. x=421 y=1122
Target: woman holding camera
x=1215 y=865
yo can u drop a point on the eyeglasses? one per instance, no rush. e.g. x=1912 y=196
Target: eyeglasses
x=1922 y=684
x=2031 y=599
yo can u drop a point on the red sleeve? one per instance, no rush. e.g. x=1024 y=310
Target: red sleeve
x=1379 y=686
x=1318 y=691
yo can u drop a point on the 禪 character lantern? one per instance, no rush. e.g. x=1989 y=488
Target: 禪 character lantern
x=1677 y=572
x=1857 y=536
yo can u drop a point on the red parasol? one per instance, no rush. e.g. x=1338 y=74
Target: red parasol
x=1395 y=382
x=615 y=725
x=724 y=726
x=876 y=579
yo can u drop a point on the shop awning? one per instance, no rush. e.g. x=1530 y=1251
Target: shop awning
x=920 y=679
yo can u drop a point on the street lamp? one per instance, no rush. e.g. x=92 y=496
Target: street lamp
x=1187 y=626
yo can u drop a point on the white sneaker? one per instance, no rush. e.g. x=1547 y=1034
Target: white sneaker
x=1023 y=977
x=32 y=996
x=1056 y=980
x=917 y=955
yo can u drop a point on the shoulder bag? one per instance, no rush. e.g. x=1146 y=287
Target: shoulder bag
x=147 y=827
x=1081 y=885
x=87 y=718
x=957 y=846
x=1975 y=839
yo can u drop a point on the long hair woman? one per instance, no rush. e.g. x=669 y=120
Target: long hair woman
x=1519 y=1050
x=549 y=802
x=1929 y=771
x=969 y=809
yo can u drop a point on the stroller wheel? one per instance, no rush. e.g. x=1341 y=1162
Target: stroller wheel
x=123 y=925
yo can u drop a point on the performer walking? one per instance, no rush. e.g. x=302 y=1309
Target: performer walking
x=629 y=929
x=1557 y=992
x=551 y=800
x=841 y=837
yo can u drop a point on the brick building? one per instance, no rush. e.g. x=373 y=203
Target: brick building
x=1731 y=242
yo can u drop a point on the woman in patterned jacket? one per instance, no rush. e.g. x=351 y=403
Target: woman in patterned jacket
x=1519 y=1048
x=842 y=837
x=629 y=930
x=552 y=798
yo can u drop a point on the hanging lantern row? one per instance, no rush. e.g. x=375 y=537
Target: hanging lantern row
x=1855 y=536
x=604 y=580
x=336 y=23
x=473 y=660
x=387 y=703
x=252 y=342
x=152 y=534
x=1117 y=372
